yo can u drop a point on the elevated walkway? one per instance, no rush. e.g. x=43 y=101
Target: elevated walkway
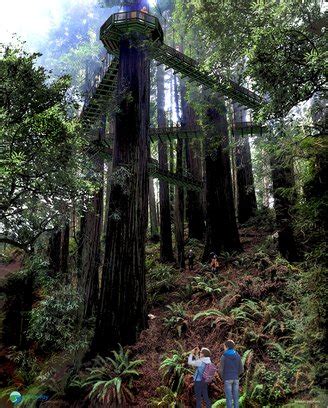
x=104 y=148
x=247 y=128
x=100 y=90
x=168 y=133
x=190 y=68
x=120 y=24
x=104 y=83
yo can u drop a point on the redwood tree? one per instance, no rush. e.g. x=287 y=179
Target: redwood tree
x=179 y=209
x=58 y=249
x=283 y=185
x=221 y=225
x=194 y=204
x=246 y=199
x=154 y=236
x=166 y=251
x=91 y=223
x=122 y=313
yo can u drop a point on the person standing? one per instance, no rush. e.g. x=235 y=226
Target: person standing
x=201 y=386
x=231 y=367
x=215 y=264
x=191 y=258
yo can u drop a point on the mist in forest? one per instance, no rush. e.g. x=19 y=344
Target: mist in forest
x=65 y=32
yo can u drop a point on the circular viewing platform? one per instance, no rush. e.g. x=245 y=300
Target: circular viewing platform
x=120 y=24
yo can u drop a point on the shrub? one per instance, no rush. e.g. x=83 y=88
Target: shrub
x=27 y=365
x=55 y=322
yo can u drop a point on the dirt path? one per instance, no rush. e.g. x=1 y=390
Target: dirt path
x=6 y=269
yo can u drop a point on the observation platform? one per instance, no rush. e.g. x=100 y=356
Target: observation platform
x=121 y=24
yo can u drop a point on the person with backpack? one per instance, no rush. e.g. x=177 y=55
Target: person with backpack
x=231 y=367
x=204 y=374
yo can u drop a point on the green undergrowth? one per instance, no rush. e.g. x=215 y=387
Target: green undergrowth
x=262 y=302
x=272 y=309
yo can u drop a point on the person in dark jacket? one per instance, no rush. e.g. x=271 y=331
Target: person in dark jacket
x=191 y=258
x=231 y=367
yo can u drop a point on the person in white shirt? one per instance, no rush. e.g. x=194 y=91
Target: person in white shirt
x=199 y=359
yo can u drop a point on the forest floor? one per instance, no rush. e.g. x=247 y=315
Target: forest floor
x=253 y=306
x=156 y=342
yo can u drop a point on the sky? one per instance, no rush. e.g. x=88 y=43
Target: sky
x=32 y=20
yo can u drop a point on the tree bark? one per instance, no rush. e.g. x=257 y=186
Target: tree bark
x=90 y=241
x=166 y=250
x=154 y=236
x=246 y=199
x=179 y=191
x=108 y=176
x=195 y=209
x=221 y=226
x=283 y=178
x=122 y=313
x=179 y=210
x=64 y=252
x=58 y=251
x=54 y=251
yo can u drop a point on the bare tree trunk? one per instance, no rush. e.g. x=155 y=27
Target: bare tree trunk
x=166 y=249
x=154 y=236
x=195 y=209
x=122 y=312
x=246 y=201
x=179 y=210
x=64 y=251
x=221 y=226
x=54 y=251
x=179 y=191
x=90 y=240
x=58 y=249
x=282 y=179
x=109 y=163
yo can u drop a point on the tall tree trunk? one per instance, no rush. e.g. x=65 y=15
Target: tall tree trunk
x=122 y=312
x=154 y=236
x=58 y=248
x=90 y=240
x=195 y=210
x=64 y=249
x=108 y=175
x=283 y=178
x=54 y=251
x=179 y=210
x=221 y=226
x=179 y=191
x=166 y=250
x=246 y=201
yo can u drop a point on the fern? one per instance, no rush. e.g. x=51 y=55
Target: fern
x=166 y=398
x=175 y=368
x=217 y=318
x=111 y=379
x=176 y=320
